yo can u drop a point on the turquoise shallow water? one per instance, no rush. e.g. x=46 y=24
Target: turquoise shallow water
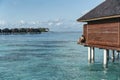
x=51 y=56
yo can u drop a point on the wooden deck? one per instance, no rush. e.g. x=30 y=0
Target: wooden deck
x=103 y=47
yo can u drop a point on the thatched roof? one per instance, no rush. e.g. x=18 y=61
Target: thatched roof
x=108 y=9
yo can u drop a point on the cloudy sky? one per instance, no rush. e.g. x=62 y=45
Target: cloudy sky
x=55 y=14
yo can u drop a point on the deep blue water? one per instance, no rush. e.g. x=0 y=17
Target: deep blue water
x=51 y=56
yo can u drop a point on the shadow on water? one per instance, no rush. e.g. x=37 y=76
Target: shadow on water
x=13 y=58
x=110 y=73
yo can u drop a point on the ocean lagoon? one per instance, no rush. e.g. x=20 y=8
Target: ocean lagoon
x=51 y=56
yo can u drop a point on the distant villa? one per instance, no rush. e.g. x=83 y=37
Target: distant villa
x=23 y=30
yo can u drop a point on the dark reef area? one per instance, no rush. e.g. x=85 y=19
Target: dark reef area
x=23 y=30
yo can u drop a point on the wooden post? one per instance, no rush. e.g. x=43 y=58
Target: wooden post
x=92 y=54
x=89 y=54
x=113 y=56
x=117 y=55
x=106 y=56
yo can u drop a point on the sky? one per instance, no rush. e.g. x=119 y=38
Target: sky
x=57 y=15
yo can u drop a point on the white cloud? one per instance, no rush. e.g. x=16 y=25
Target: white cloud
x=50 y=23
x=22 y=22
x=58 y=20
x=33 y=22
x=58 y=24
x=53 y=25
x=2 y=22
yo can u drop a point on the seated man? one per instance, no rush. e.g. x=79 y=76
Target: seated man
x=81 y=40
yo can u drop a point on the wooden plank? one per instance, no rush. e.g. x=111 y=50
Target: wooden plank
x=119 y=31
x=103 y=47
x=103 y=34
x=85 y=31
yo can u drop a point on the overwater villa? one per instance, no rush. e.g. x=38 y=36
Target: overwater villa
x=102 y=30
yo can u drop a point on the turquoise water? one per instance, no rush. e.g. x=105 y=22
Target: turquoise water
x=51 y=56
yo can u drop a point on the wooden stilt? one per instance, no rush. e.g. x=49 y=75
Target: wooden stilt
x=113 y=56
x=92 y=54
x=106 y=55
x=89 y=54
x=117 y=55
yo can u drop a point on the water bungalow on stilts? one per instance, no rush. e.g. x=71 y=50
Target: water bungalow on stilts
x=102 y=30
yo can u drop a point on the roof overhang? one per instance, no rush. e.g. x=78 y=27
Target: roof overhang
x=101 y=18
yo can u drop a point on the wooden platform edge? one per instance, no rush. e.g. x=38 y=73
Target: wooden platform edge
x=102 y=47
